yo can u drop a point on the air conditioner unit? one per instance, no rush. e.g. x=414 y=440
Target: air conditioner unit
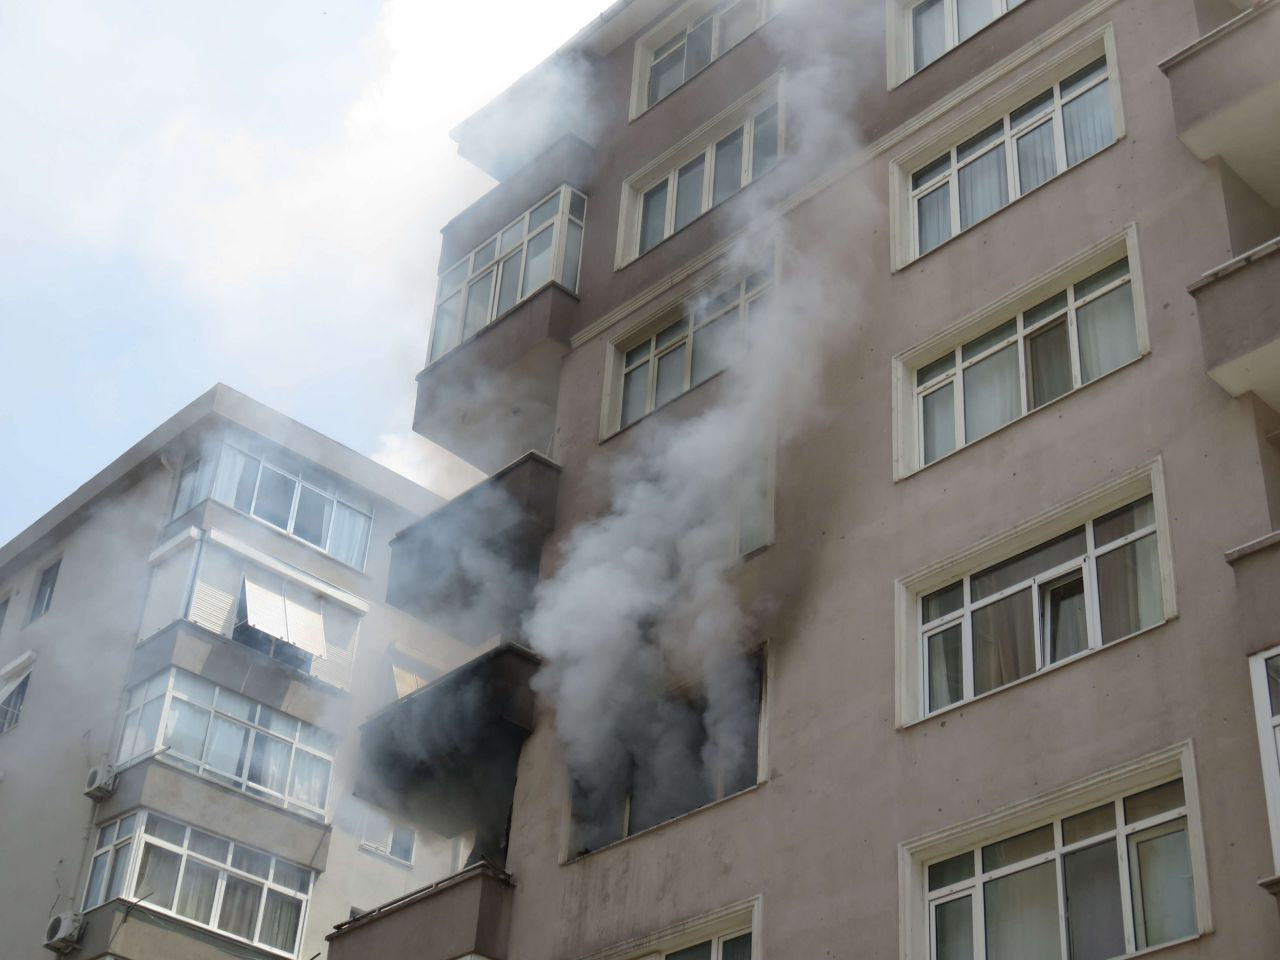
x=100 y=783
x=64 y=932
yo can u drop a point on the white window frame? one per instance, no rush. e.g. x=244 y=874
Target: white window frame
x=995 y=106
x=908 y=396
x=40 y=605
x=911 y=662
x=914 y=856
x=11 y=713
x=725 y=923
x=1268 y=744
x=679 y=24
x=161 y=687
x=139 y=837
x=387 y=827
x=491 y=256
x=899 y=15
x=740 y=115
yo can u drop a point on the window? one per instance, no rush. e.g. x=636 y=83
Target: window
x=44 y=590
x=386 y=838
x=1041 y=353
x=280 y=619
x=193 y=483
x=542 y=246
x=669 y=198
x=690 y=772
x=1090 y=586
x=11 y=697
x=1050 y=132
x=285 y=500
x=200 y=878
x=705 y=337
x=1264 y=669
x=221 y=735
x=1104 y=881
x=674 y=53
x=938 y=25
x=723 y=934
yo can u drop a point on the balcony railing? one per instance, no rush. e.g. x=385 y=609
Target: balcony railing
x=541 y=246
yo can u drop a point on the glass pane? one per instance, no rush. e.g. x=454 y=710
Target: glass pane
x=1083 y=77
x=310 y=781
x=193 y=688
x=537 y=262
x=1273 y=684
x=126 y=826
x=544 y=211
x=577 y=206
x=990 y=339
x=953 y=930
x=946 y=872
x=701 y=951
x=928 y=32
x=280 y=917
x=511 y=237
x=941 y=602
x=714 y=346
x=1095 y=918
x=1022 y=915
x=939 y=426
x=1004 y=853
x=311 y=522
x=672 y=333
x=166 y=830
x=275 y=497
x=933 y=218
x=277 y=722
x=452 y=280
x=980 y=141
x=992 y=393
x=736 y=24
x=1031 y=109
x=1037 y=159
x=689 y=192
x=239 y=913
x=1103 y=278
x=214 y=848
x=984 y=187
x=97 y=877
x=739 y=948
x=119 y=869
x=1045 y=310
x=572 y=256
x=727 y=175
x=670 y=376
x=972 y=16
x=764 y=144
x=402 y=844
x=1048 y=364
x=697 y=48
x=1087 y=125
x=936 y=369
x=448 y=327
x=1129 y=594
x=195 y=899
x=1106 y=331
x=157 y=876
x=509 y=281
x=484 y=255
x=635 y=394
x=653 y=217
x=251 y=861
x=1153 y=802
x=1128 y=519
x=185 y=728
x=1089 y=824
x=932 y=171
x=295 y=878
x=269 y=765
x=226 y=748
x=1062 y=617
x=946 y=668
x=1004 y=643
x=1163 y=891
x=479 y=294
x=666 y=75
x=1026 y=565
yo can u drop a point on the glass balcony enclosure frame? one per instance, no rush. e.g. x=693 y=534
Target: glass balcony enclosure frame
x=541 y=246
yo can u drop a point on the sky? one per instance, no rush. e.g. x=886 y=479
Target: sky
x=239 y=192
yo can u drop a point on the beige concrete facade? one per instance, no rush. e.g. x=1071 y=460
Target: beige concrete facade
x=136 y=595
x=859 y=789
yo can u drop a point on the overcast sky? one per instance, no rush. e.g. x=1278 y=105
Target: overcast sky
x=245 y=192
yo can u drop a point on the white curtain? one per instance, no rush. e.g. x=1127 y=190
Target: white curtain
x=933 y=214
x=310 y=779
x=349 y=535
x=992 y=393
x=157 y=876
x=226 y=749
x=972 y=16
x=984 y=187
x=928 y=32
x=1022 y=915
x=1168 y=895
x=1086 y=122
x=281 y=916
x=239 y=914
x=269 y=766
x=231 y=466
x=1106 y=333
x=1095 y=919
x=946 y=679
x=939 y=422
x=199 y=884
x=1037 y=161
x=1129 y=594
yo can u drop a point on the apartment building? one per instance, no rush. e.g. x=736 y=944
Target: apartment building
x=1017 y=672
x=188 y=643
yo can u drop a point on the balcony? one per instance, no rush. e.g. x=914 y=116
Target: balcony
x=121 y=928
x=466 y=915
x=1226 y=96
x=1240 y=323
x=469 y=568
x=446 y=754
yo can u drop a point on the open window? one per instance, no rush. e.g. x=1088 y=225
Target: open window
x=282 y=620
x=12 y=694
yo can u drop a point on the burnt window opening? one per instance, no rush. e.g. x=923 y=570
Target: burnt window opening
x=669 y=768
x=274 y=647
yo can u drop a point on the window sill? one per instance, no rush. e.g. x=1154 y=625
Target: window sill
x=577 y=857
x=1086 y=655
x=383 y=855
x=907 y=475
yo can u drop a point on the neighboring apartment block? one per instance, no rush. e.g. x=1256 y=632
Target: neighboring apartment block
x=1017 y=678
x=187 y=645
